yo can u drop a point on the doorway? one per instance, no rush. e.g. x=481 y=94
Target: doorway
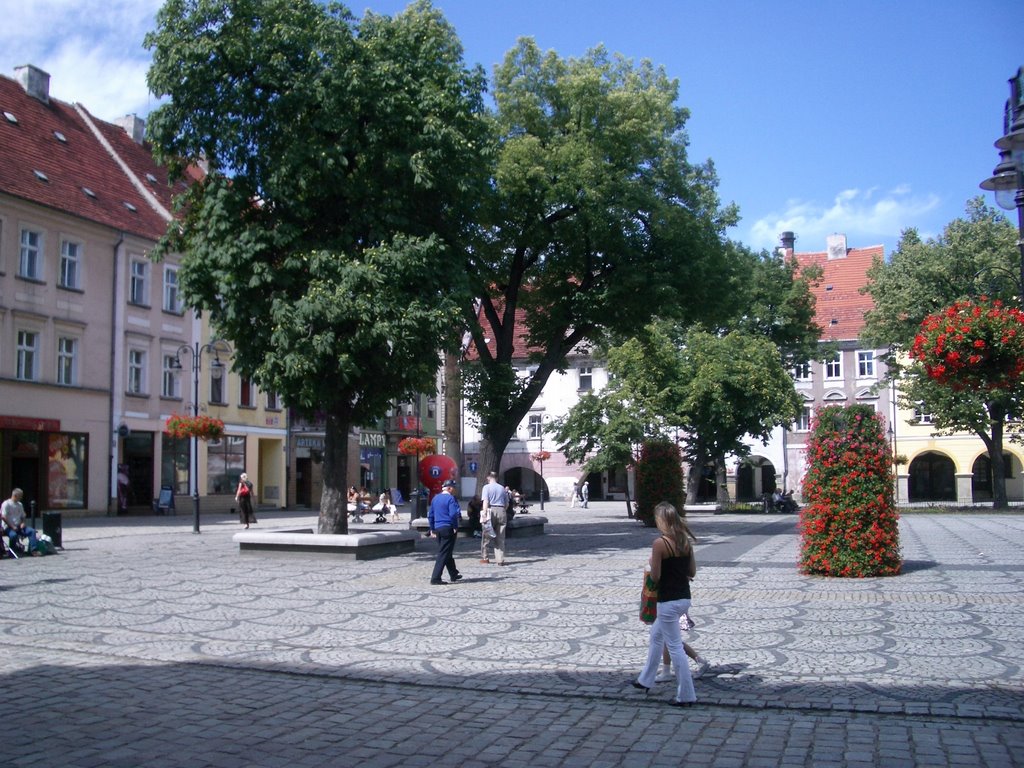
x=138 y=455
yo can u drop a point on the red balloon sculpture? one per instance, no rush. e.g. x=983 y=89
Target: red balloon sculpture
x=434 y=470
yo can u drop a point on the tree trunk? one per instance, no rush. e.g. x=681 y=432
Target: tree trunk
x=453 y=411
x=997 y=413
x=490 y=459
x=693 y=482
x=722 y=487
x=334 y=502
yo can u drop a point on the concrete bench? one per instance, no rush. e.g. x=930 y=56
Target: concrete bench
x=367 y=545
x=520 y=527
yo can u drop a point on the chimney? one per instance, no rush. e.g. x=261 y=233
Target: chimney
x=35 y=82
x=134 y=126
x=788 y=241
x=836 y=246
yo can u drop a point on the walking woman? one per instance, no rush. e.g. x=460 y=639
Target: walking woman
x=243 y=495
x=672 y=566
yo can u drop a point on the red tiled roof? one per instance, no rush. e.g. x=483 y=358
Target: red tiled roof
x=80 y=160
x=840 y=306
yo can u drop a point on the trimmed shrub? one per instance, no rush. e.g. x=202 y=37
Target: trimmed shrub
x=849 y=525
x=659 y=477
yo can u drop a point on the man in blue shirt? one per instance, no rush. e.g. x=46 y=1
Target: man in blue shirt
x=443 y=518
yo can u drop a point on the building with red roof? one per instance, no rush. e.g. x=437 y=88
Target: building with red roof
x=95 y=344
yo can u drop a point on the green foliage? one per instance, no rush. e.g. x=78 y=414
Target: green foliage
x=346 y=160
x=975 y=255
x=659 y=477
x=595 y=216
x=849 y=525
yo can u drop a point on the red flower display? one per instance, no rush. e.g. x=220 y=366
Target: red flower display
x=203 y=427
x=541 y=456
x=849 y=525
x=973 y=344
x=417 y=446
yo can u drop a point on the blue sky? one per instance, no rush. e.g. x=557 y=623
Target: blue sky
x=821 y=116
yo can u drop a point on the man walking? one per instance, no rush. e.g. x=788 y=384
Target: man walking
x=585 y=493
x=495 y=499
x=443 y=519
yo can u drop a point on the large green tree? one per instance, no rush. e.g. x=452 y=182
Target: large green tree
x=596 y=221
x=975 y=255
x=344 y=163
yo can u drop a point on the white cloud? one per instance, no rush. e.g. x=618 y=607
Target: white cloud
x=864 y=216
x=92 y=49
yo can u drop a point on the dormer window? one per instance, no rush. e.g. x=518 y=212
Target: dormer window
x=60 y=137
x=41 y=176
x=89 y=192
x=11 y=118
x=130 y=207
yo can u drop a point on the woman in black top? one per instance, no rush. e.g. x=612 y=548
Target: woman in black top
x=672 y=567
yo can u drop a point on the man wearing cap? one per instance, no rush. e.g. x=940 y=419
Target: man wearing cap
x=495 y=499
x=443 y=518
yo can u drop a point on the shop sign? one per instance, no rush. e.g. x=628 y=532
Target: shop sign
x=372 y=440
x=310 y=442
x=29 y=425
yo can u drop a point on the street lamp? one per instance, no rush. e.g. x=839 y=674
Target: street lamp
x=1007 y=180
x=197 y=364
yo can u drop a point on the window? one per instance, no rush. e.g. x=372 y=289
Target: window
x=225 y=462
x=431 y=407
x=171 y=386
x=803 y=422
x=67 y=470
x=28 y=353
x=535 y=425
x=137 y=289
x=217 y=384
x=834 y=367
x=245 y=394
x=586 y=378
x=866 y=364
x=172 y=300
x=273 y=401
x=67 y=361
x=136 y=371
x=922 y=415
x=175 y=460
x=70 y=259
x=30 y=264
x=802 y=372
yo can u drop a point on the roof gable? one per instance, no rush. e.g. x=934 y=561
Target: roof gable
x=50 y=156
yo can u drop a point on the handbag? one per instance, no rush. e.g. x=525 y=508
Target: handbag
x=649 y=600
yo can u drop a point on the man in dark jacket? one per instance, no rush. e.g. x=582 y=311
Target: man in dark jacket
x=443 y=518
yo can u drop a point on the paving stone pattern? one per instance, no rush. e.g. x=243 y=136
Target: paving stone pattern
x=143 y=644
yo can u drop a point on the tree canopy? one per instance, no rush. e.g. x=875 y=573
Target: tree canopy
x=975 y=256
x=345 y=162
x=596 y=221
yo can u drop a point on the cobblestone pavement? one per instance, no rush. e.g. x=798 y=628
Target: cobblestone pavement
x=143 y=644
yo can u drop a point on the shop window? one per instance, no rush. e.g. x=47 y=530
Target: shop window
x=67 y=470
x=225 y=462
x=175 y=462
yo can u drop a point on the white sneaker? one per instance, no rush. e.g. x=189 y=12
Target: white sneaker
x=703 y=665
x=665 y=676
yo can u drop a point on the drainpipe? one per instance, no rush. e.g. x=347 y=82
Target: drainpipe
x=113 y=344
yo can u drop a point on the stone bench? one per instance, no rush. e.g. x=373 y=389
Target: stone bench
x=365 y=545
x=520 y=527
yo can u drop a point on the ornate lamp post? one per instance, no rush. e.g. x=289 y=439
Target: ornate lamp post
x=197 y=364
x=1007 y=180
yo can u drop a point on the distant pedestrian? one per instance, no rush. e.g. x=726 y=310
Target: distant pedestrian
x=672 y=566
x=243 y=495
x=473 y=509
x=495 y=509
x=574 y=496
x=443 y=518
x=585 y=493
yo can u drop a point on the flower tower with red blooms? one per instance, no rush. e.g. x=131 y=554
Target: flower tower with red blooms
x=849 y=525
x=659 y=477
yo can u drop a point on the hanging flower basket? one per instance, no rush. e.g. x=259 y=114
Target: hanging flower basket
x=541 y=456
x=417 y=446
x=203 y=427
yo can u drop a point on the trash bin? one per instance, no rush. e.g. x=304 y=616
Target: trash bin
x=51 y=527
